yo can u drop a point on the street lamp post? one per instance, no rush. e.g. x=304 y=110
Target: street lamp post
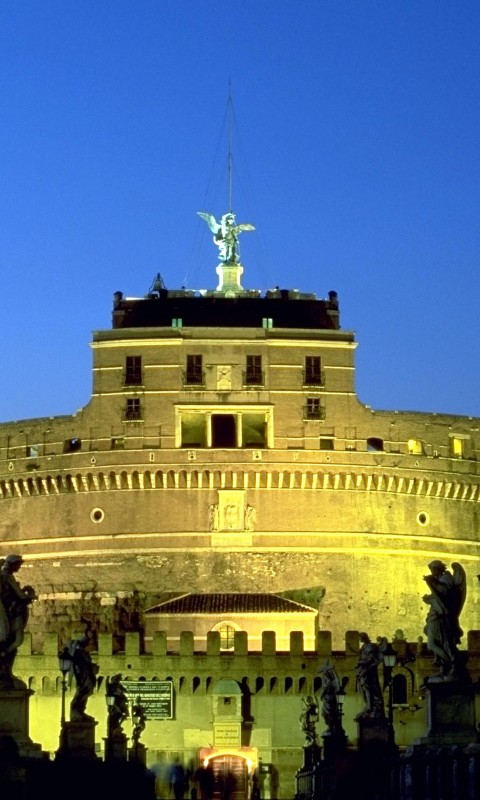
x=389 y=661
x=138 y=720
x=110 y=700
x=341 y=695
x=341 y=736
x=64 y=664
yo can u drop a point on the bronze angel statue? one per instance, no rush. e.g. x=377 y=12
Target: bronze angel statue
x=329 y=693
x=139 y=719
x=442 y=626
x=117 y=701
x=225 y=235
x=84 y=671
x=14 y=608
x=308 y=718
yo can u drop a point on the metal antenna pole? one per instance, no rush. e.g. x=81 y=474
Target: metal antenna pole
x=230 y=167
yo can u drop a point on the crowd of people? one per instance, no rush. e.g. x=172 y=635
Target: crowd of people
x=185 y=783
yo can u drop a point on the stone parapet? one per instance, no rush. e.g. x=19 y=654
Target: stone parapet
x=295 y=670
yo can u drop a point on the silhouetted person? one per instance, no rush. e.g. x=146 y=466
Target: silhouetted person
x=229 y=786
x=255 y=793
x=177 y=779
x=206 y=781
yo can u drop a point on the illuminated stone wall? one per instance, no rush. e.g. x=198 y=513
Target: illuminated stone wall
x=370 y=575
x=345 y=502
x=273 y=683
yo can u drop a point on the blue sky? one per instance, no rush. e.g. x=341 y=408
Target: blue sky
x=356 y=154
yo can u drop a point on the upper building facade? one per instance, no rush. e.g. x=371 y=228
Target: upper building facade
x=224 y=449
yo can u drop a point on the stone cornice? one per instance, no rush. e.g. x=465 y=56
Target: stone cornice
x=84 y=481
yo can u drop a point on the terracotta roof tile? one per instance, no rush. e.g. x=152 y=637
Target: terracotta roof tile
x=238 y=603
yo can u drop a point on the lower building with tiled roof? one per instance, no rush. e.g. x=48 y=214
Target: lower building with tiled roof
x=253 y=613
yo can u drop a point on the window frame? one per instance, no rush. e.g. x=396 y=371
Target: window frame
x=313 y=409
x=133 y=409
x=313 y=374
x=323 y=440
x=253 y=375
x=226 y=630
x=241 y=411
x=194 y=375
x=133 y=371
x=375 y=444
x=415 y=447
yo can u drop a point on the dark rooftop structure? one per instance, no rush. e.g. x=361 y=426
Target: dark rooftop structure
x=279 y=308
x=235 y=603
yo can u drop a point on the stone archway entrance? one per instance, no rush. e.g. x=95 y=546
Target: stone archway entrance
x=230 y=777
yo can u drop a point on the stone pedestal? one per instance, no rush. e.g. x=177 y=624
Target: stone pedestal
x=451 y=718
x=308 y=775
x=77 y=740
x=375 y=751
x=334 y=744
x=116 y=747
x=138 y=754
x=312 y=754
x=374 y=733
x=14 y=721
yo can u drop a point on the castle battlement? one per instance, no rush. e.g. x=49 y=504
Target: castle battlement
x=165 y=658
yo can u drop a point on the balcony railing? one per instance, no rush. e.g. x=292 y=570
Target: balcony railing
x=253 y=377
x=133 y=416
x=194 y=379
x=314 y=378
x=133 y=379
x=314 y=413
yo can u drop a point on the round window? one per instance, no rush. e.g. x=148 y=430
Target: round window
x=97 y=515
x=423 y=518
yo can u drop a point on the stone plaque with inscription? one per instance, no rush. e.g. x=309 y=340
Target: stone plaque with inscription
x=227 y=734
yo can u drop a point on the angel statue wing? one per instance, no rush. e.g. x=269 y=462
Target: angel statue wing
x=4 y=624
x=460 y=584
x=245 y=226
x=210 y=220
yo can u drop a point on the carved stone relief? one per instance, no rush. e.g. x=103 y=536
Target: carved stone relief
x=224 y=378
x=231 y=513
